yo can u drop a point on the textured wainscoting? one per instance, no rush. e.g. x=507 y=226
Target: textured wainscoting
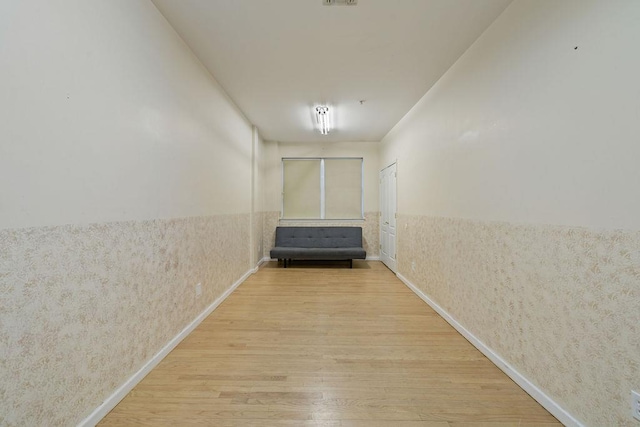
x=560 y=304
x=258 y=237
x=270 y=222
x=84 y=307
x=370 y=230
x=371 y=234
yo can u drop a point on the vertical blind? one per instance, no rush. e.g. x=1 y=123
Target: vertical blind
x=322 y=188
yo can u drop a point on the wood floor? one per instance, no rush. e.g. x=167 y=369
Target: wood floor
x=325 y=345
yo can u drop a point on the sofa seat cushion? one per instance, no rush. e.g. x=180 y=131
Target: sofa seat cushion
x=318 y=253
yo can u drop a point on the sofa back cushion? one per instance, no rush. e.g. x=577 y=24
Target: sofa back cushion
x=319 y=237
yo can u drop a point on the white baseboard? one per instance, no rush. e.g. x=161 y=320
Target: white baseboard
x=549 y=404
x=265 y=259
x=373 y=258
x=101 y=411
x=255 y=269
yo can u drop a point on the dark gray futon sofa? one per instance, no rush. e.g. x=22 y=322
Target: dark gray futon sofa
x=318 y=243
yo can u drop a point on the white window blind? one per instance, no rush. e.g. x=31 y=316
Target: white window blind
x=301 y=192
x=322 y=188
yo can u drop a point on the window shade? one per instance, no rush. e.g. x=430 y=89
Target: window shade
x=301 y=192
x=343 y=188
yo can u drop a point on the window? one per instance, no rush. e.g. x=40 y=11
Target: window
x=322 y=188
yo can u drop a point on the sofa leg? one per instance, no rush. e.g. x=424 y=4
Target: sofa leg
x=284 y=262
x=350 y=263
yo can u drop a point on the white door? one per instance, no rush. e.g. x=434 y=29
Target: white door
x=388 y=216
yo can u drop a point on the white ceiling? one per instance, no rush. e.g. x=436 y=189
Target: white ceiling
x=278 y=58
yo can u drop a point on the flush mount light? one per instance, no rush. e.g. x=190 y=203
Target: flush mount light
x=323 y=119
x=340 y=2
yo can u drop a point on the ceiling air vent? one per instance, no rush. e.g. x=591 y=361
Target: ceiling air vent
x=340 y=2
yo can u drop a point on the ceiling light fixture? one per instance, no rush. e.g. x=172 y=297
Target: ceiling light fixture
x=323 y=119
x=340 y=2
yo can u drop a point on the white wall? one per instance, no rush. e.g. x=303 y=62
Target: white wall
x=106 y=115
x=108 y=119
x=517 y=198
x=257 y=191
x=527 y=128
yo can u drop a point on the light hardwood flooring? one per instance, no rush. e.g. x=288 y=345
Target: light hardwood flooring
x=325 y=345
